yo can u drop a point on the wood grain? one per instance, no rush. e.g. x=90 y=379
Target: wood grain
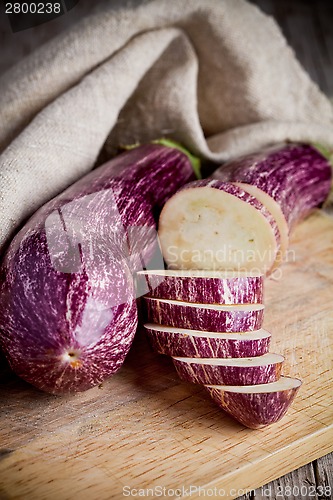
x=144 y=428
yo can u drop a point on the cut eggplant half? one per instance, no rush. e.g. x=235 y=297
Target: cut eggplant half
x=205 y=317
x=230 y=371
x=196 y=344
x=297 y=176
x=207 y=287
x=214 y=225
x=256 y=406
x=275 y=209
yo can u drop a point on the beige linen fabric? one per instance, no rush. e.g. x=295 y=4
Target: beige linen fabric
x=216 y=75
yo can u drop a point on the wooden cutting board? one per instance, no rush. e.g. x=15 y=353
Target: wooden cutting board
x=145 y=429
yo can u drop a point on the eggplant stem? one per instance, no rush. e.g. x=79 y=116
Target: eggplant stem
x=194 y=160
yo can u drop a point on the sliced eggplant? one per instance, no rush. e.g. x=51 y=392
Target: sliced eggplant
x=276 y=212
x=215 y=225
x=206 y=317
x=256 y=406
x=205 y=286
x=230 y=371
x=197 y=344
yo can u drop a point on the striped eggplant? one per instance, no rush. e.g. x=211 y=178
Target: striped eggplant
x=214 y=225
x=289 y=179
x=68 y=309
x=204 y=286
x=230 y=371
x=256 y=406
x=197 y=344
x=205 y=317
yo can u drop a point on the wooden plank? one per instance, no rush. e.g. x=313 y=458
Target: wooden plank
x=323 y=469
x=315 y=50
x=296 y=485
x=323 y=19
x=144 y=428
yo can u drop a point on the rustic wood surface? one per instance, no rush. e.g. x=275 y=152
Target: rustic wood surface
x=75 y=434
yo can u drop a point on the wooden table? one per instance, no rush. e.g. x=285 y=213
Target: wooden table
x=35 y=426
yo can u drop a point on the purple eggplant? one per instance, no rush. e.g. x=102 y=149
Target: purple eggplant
x=230 y=371
x=197 y=344
x=204 y=286
x=67 y=299
x=204 y=317
x=214 y=225
x=289 y=179
x=65 y=332
x=256 y=406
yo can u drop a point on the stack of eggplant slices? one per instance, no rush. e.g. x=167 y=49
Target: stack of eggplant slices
x=220 y=237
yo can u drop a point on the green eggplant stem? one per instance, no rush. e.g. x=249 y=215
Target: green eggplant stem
x=325 y=151
x=195 y=161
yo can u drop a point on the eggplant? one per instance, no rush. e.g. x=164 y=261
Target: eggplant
x=230 y=371
x=197 y=344
x=297 y=177
x=275 y=209
x=215 y=225
x=256 y=406
x=205 y=317
x=204 y=286
x=68 y=310
x=289 y=179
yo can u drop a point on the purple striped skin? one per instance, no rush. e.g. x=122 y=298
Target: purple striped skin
x=297 y=176
x=150 y=169
x=182 y=344
x=47 y=315
x=255 y=411
x=227 y=375
x=68 y=312
x=128 y=191
x=208 y=320
x=235 y=290
x=238 y=192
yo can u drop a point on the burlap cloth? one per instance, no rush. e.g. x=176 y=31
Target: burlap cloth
x=216 y=75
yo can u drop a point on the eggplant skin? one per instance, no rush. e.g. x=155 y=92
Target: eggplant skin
x=297 y=176
x=63 y=332
x=254 y=410
x=185 y=345
x=227 y=375
x=233 y=290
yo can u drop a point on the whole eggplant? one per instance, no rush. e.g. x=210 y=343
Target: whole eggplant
x=68 y=310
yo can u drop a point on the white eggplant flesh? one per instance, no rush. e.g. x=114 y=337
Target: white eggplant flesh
x=215 y=225
x=230 y=371
x=206 y=317
x=196 y=344
x=256 y=406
